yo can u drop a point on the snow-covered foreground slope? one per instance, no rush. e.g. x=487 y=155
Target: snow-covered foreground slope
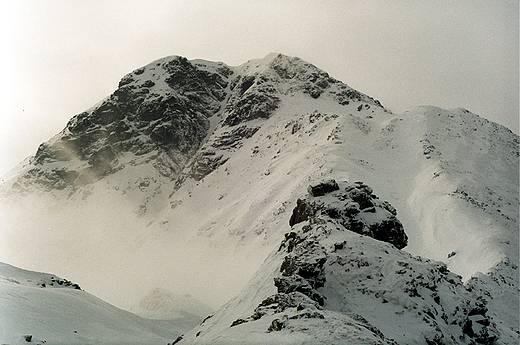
x=187 y=174
x=42 y=308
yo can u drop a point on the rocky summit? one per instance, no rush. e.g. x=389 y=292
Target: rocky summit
x=180 y=115
x=301 y=210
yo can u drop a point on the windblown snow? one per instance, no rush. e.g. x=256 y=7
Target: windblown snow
x=184 y=181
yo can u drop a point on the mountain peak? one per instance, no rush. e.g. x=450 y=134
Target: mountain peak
x=286 y=67
x=168 y=108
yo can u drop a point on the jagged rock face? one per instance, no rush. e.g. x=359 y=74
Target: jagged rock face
x=303 y=268
x=337 y=287
x=355 y=207
x=158 y=113
x=323 y=188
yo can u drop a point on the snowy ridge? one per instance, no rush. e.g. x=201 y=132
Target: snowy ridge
x=187 y=173
x=336 y=287
x=10 y=274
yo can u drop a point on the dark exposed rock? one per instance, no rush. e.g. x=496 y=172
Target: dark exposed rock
x=386 y=205
x=349 y=208
x=323 y=188
x=182 y=133
x=280 y=302
x=148 y=83
x=136 y=119
x=276 y=325
x=302 y=270
x=179 y=338
x=56 y=152
x=296 y=283
x=311 y=271
x=295 y=128
x=292 y=283
x=250 y=106
x=344 y=97
x=69 y=177
x=205 y=162
x=302 y=212
x=233 y=138
x=308 y=315
x=361 y=196
x=389 y=230
x=185 y=76
x=102 y=161
x=428 y=148
x=290 y=241
x=339 y=246
x=238 y=322
x=58 y=282
x=245 y=83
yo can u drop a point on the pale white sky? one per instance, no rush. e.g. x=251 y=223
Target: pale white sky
x=62 y=56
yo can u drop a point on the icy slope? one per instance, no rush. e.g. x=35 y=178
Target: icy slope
x=327 y=284
x=42 y=308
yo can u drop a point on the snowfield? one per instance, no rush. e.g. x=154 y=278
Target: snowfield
x=40 y=308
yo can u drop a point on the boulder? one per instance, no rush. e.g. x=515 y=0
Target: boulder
x=323 y=188
x=302 y=212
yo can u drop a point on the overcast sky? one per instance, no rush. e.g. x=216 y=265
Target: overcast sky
x=62 y=56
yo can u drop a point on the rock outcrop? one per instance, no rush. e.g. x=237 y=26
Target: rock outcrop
x=159 y=114
x=355 y=207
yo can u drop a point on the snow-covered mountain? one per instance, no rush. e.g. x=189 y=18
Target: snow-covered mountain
x=187 y=174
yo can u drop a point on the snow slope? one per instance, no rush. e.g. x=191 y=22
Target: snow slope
x=47 y=309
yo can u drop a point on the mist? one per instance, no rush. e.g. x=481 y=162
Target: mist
x=112 y=253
